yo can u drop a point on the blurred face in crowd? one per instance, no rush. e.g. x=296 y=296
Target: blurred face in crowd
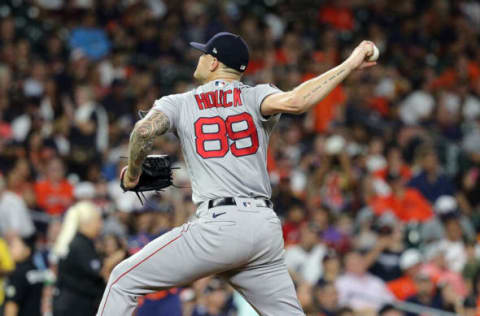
x=308 y=237
x=327 y=296
x=394 y=159
x=111 y=244
x=424 y=285
x=320 y=218
x=21 y=168
x=55 y=170
x=144 y=222
x=430 y=161
x=82 y=95
x=345 y=224
x=413 y=270
x=453 y=230
x=331 y=266
x=397 y=185
x=295 y=214
x=376 y=146
x=216 y=299
x=355 y=263
x=439 y=259
x=96 y=225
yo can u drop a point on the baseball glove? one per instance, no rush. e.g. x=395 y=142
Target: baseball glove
x=156 y=175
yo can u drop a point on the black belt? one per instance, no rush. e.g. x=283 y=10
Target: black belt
x=231 y=201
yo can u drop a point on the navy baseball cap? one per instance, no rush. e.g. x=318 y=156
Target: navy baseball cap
x=228 y=48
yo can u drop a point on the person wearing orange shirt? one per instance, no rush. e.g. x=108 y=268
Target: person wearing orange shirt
x=54 y=194
x=404 y=286
x=407 y=204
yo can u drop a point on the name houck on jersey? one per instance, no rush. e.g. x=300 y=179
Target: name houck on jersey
x=219 y=99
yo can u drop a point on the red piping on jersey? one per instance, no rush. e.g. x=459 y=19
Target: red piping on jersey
x=136 y=265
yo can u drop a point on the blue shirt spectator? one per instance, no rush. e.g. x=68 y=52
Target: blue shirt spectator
x=90 y=39
x=432 y=187
x=431 y=182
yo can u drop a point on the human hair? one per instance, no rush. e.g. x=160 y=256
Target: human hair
x=423 y=150
x=79 y=213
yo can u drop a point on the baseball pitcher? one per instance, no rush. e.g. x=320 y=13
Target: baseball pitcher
x=224 y=127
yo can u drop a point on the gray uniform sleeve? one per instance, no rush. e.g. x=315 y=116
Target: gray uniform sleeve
x=170 y=108
x=261 y=92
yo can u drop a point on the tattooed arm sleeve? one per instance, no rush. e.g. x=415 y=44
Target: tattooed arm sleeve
x=154 y=124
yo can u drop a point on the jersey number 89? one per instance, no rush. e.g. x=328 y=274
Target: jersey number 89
x=225 y=131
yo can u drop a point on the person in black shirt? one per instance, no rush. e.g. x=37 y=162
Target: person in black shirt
x=384 y=258
x=326 y=298
x=23 y=290
x=80 y=282
x=427 y=294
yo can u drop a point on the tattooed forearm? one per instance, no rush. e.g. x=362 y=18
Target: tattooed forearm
x=141 y=140
x=323 y=83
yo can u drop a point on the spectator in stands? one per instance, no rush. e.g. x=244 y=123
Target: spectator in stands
x=153 y=220
x=446 y=207
x=469 y=193
x=404 y=286
x=470 y=306
x=431 y=181
x=407 y=204
x=80 y=282
x=294 y=219
x=326 y=298
x=395 y=165
x=331 y=267
x=19 y=182
x=426 y=293
x=453 y=244
x=54 y=193
x=437 y=268
x=7 y=265
x=89 y=133
x=358 y=289
x=24 y=287
x=384 y=258
x=304 y=260
x=218 y=301
x=14 y=214
x=334 y=180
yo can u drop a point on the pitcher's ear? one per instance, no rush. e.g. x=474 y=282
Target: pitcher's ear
x=214 y=64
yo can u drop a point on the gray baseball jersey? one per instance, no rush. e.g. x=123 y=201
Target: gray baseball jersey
x=224 y=138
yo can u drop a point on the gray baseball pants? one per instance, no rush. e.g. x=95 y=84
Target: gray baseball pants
x=242 y=243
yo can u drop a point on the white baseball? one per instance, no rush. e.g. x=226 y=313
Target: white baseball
x=375 y=54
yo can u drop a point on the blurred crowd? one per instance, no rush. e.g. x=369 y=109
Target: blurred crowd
x=378 y=187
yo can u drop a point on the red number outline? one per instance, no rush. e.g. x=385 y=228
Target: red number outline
x=225 y=131
x=249 y=132
x=201 y=137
